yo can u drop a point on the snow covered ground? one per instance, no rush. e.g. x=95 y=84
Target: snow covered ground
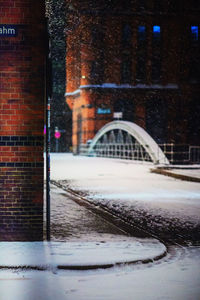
x=70 y=255
x=129 y=189
x=163 y=205
x=175 y=277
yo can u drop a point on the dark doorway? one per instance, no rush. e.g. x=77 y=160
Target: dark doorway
x=156 y=120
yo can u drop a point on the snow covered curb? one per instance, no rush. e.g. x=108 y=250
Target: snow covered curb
x=175 y=174
x=78 y=255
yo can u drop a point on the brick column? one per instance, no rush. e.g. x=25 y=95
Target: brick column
x=22 y=57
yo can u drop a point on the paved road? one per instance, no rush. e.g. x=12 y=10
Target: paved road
x=70 y=221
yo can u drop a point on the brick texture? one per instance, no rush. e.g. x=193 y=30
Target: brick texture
x=94 y=63
x=22 y=65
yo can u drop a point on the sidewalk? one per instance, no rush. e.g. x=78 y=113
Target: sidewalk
x=78 y=255
x=80 y=240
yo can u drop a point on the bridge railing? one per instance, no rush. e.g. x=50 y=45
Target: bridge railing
x=194 y=154
x=176 y=153
x=117 y=150
x=181 y=153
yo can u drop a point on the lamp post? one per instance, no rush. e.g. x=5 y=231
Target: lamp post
x=57 y=135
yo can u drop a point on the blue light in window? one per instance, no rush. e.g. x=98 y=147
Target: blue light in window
x=156 y=34
x=195 y=33
x=141 y=29
x=156 y=29
x=141 y=33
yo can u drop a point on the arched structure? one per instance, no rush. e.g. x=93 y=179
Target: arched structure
x=127 y=140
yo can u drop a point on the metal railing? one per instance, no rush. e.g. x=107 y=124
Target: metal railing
x=194 y=154
x=132 y=151
x=181 y=153
x=176 y=153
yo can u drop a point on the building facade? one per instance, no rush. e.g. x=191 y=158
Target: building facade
x=136 y=61
x=22 y=84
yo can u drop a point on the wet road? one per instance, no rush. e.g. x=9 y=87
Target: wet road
x=70 y=221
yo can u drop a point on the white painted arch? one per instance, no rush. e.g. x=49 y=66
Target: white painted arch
x=142 y=137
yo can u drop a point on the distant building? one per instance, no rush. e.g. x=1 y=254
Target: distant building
x=135 y=61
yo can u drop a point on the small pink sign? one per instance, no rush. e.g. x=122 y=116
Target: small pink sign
x=57 y=134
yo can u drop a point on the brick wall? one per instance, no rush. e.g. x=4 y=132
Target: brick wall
x=167 y=79
x=21 y=120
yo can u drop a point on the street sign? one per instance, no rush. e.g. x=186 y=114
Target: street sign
x=57 y=134
x=118 y=115
x=8 y=30
x=103 y=111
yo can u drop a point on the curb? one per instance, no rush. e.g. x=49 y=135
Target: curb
x=162 y=171
x=118 y=264
x=86 y=267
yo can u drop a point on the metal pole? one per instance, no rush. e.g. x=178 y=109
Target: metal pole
x=56 y=145
x=48 y=100
x=48 y=219
x=57 y=138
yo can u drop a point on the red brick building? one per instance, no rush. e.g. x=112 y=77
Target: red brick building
x=136 y=58
x=22 y=65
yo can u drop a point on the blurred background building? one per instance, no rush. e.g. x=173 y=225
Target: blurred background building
x=136 y=61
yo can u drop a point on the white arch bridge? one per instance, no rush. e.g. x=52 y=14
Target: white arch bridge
x=126 y=140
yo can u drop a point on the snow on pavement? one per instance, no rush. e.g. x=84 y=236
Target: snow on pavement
x=50 y=255
x=165 y=204
x=173 y=278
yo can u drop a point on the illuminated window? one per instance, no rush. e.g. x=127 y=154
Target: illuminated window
x=141 y=33
x=156 y=33
x=194 y=33
x=141 y=54
x=194 y=54
x=156 y=53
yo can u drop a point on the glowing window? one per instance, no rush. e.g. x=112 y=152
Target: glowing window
x=156 y=33
x=156 y=29
x=156 y=53
x=195 y=33
x=141 y=29
x=141 y=33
